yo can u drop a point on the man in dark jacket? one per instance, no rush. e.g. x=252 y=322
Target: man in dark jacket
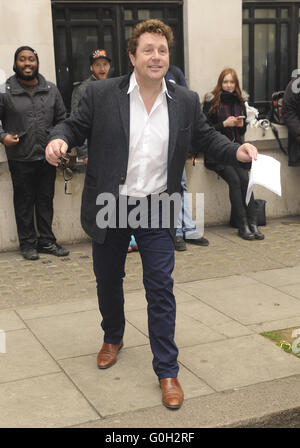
x=291 y=115
x=139 y=129
x=99 y=66
x=29 y=107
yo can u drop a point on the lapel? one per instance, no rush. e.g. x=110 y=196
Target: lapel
x=123 y=99
x=173 y=121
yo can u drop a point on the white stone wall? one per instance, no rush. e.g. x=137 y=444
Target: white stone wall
x=27 y=23
x=213 y=41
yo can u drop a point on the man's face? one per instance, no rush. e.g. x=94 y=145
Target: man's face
x=100 y=68
x=151 y=60
x=26 y=65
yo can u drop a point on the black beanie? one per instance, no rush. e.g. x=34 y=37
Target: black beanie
x=25 y=47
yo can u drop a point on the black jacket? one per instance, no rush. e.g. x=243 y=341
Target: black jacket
x=103 y=117
x=32 y=117
x=291 y=115
x=213 y=120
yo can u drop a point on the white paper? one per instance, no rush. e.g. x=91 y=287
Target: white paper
x=265 y=171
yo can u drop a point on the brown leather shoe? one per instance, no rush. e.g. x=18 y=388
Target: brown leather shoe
x=107 y=356
x=172 y=394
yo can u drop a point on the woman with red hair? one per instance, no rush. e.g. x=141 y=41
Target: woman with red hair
x=226 y=112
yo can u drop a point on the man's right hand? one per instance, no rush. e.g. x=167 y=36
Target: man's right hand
x=55 y=150
x=11 y=140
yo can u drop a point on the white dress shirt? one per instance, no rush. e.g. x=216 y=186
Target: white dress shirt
x=148 y=144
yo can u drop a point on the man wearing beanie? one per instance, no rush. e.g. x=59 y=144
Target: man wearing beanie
x=30 y=107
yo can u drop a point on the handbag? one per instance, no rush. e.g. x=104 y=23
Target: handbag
x=261 y=214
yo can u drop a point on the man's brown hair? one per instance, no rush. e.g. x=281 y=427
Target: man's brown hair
x=150 y=26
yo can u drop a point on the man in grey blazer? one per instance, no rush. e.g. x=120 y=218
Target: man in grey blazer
x=138 y=129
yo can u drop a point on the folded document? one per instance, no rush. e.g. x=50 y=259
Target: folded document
x=265 y=171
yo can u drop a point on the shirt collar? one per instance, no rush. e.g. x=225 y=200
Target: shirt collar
x=134 y=85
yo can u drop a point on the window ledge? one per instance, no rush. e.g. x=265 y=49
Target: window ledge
x=265 y=139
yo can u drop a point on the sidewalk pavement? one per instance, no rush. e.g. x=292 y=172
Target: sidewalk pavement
x=227 y=294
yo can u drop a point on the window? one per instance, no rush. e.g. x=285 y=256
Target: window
x=271 y=48
x=79 y=28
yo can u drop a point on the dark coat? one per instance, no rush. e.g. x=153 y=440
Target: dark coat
x=32 y=117
x=291 y=116
x=214 y=121
x=103 y=117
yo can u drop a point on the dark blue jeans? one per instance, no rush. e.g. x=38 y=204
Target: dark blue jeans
x=156 y=248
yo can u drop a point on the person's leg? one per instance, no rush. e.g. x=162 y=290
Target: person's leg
x=251 y=209
x=179 y=241
x=186 y=228
x=231 y=175
x=108 y=262
x=157 y=252
x=45 y=184
x=156 y=247
x=187 y=223
x=23 y=175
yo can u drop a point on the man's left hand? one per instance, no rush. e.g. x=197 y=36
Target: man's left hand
x=246 y=153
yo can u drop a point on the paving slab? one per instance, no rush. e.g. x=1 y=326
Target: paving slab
x=277 y=277
x=25 y=357
x=57 y=309
x=212 y=285
x=49 y=401
x=292 y=322
x=249 y=304
x=291 y=290
x=9 y=320
x=123 y=388
x=238 y=362
x=222 y=409
x=76 y=334
x=218 y=322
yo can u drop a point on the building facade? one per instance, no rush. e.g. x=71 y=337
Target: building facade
x=260 y=39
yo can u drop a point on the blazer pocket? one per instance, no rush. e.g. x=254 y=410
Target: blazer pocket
x=184 y=136
x=186 y=128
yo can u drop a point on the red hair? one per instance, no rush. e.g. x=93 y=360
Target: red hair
x=218 y=90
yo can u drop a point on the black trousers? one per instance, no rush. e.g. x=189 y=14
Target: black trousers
x=33 y=187
x=237 y=179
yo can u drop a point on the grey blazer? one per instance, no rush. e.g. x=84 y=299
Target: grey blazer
x=103 y=118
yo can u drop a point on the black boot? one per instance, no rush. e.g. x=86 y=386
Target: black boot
x=255 y=230
x=244 y=231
